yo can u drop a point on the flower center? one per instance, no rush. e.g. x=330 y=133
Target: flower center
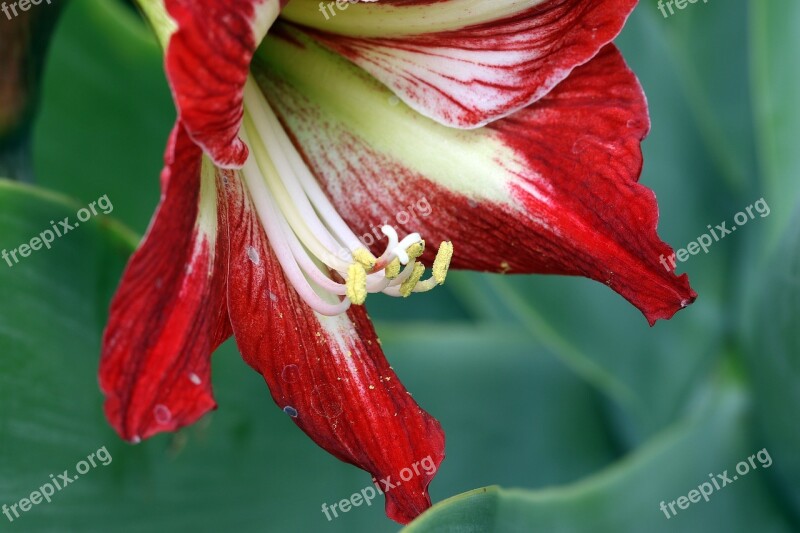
x=326 y=263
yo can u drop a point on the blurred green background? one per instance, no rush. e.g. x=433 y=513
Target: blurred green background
x=552 y=388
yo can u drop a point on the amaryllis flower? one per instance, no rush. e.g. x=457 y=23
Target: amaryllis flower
x=516 y=122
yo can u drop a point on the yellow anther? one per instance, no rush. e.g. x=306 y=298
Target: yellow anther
x=442 y=262
x=440 y=267
x=408 y=285
x=416 y=250
x=393 y=269
x=365 y=258
x=356 y=286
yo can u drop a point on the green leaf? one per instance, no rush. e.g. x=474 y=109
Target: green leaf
x=773 y=276
x=106 y=111
x=627 y=496
x=716 y=90
x=511 y=412
x=773 y=359
x=776 y=85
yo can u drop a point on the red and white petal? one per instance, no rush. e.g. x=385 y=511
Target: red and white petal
x=169 y=313
x=207 y=62
x=551 y=189
x=328 y=373
x=464 y=63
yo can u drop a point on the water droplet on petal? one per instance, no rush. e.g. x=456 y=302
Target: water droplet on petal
x=162 y=414
x=393 y=100
x=325 y=401
x=273 y=296
x=291 y=411
x=252 y=253
x=290 y=373
x=136 y=439
x=194 y=378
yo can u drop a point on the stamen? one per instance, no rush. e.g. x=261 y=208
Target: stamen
x=408 y=285
x=393 y=269
x=267 y=213
x=442 y=262
x=440 y=267
x=425 y=286
x=321 y=256
x=257 y=104
x=416 y=249
x=364 y=257
x=400 y=279
x=357 y=283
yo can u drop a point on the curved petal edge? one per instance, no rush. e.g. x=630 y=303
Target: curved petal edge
x=169 y=312
x=207 y=63
x=469 y=76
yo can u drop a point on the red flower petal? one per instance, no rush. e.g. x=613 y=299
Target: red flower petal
x=328 y=373
x=207 y=62
x=169 y=313
x=469 y=76
x=550 y=189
